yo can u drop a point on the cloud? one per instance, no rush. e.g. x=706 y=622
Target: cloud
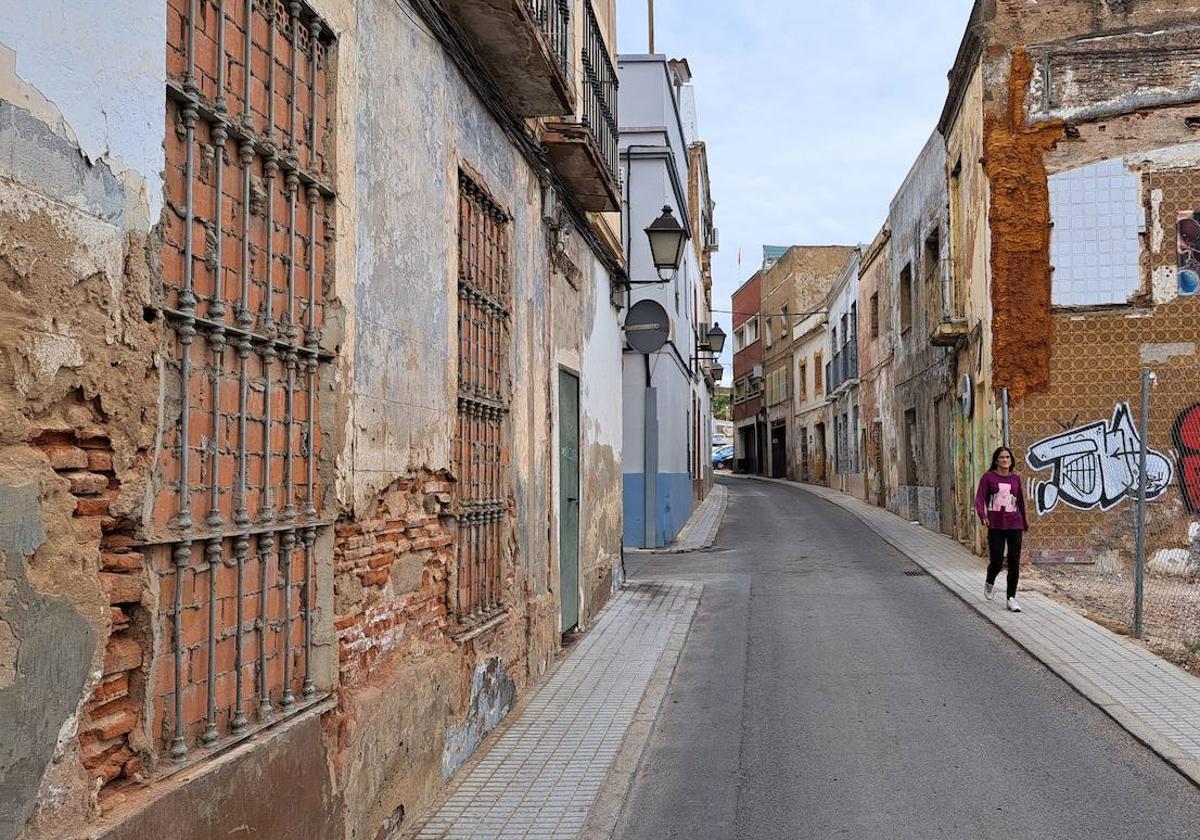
x=813 y=112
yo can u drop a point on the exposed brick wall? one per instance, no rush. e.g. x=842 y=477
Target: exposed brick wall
x=109 y=731
x=1019 y=218
x=390 y=573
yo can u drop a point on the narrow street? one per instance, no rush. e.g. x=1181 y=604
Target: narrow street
x=822 y=692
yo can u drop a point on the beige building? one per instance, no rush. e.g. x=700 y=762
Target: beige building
x=809 y=461
x=793 y=285
x=876 y=372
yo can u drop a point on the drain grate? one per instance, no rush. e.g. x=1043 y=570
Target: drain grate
x=915 y=571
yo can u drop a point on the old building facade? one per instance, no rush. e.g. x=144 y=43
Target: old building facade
x=657 y=131
x=876 y=380
x=842 y=378
x=794 y=284
x=924 y=372
x=1084 y=273
x=810 y=450
x=749 y=442
x=272 y=529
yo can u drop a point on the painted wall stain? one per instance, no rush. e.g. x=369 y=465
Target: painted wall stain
x=50 y=660
x=492 y=697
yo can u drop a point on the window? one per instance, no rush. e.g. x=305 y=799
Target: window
x=933 y=274
x=739 y=339
x=481 y=443
x=818 y=384
x=752 y=330
x=855 y=465
x=236 y=519
x=802 y=382
x=912 y=446
x=770 y=333
x=875 y=315
x=906 y=298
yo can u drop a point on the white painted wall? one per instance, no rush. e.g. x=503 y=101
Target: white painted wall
x=95 y=72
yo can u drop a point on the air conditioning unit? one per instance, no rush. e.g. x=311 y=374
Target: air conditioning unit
x=756 y=372
x=715 y=245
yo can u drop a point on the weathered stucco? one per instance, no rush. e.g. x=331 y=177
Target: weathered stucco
x=924 y=373
x=89 y=393
x=1019 y=219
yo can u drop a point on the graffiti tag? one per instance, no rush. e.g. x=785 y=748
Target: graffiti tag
x=1186 y=436
x=1189 y=252
x=1095 y=465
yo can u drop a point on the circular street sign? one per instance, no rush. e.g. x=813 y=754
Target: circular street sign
x=647 y=326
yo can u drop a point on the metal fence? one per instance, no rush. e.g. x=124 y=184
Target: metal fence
x=554 y=18
x=599 y=89
x=1114 y=499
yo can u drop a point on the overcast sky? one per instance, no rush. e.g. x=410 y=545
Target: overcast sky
x=813 y=111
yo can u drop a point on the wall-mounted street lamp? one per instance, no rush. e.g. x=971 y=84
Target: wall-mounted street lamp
x=716 y=341
x=666 y=237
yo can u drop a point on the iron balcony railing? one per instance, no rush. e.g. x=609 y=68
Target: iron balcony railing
x=554 y=17
x=599 y=90
x=844 y=366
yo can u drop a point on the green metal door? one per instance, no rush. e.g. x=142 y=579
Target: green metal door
x=568 y=497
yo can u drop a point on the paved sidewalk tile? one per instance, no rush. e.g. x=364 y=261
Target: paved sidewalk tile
x=542 y=774
x=1154 y=700
x=700 y=532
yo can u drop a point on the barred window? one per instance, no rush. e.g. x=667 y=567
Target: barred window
x=236 y=530
x=481 y=446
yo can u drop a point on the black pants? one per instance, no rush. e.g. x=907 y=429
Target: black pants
x=998 y=538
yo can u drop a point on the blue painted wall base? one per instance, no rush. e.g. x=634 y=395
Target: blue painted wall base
x=673 y=507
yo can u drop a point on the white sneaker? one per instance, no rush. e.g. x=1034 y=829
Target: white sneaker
x=1013 y=605
x=988 y=589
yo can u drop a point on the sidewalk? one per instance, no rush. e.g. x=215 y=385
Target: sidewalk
x=700 y=532
x=541 y=775
x=1156 y=702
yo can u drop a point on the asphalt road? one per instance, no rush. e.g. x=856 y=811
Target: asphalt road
x=822 y=693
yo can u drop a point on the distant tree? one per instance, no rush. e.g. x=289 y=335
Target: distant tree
x=720 y=406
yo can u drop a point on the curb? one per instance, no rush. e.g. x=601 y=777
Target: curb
x=609 y=804
x=1185 y=764
x=709 y=538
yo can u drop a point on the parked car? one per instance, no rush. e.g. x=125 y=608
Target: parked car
x=719 y=440
x=722 y=459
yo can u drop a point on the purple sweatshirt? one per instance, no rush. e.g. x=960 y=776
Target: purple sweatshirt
x=1000 y=501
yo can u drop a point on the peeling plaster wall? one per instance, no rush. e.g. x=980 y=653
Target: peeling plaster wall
x=78 y=205
x=109 y=102
x=81 y=157
x=970 y=256
x=876 y=372
x=924 y=374
x=601 y=447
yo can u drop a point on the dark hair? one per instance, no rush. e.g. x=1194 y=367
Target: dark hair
x=996 y=458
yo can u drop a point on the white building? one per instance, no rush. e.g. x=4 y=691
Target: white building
x=657 y=133
x=846 y=443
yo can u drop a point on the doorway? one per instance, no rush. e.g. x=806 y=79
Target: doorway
x=568 y=497
x=779 y=450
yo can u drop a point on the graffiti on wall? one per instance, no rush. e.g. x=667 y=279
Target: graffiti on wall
x=1189 y=252
x=1186 y=436
x=1095 y=465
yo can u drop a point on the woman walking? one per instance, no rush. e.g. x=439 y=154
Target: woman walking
x=1000 y=503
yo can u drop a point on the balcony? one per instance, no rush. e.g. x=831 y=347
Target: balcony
x=843 y=368
x=584 y=150
x=526 y=46
x=950 y=333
